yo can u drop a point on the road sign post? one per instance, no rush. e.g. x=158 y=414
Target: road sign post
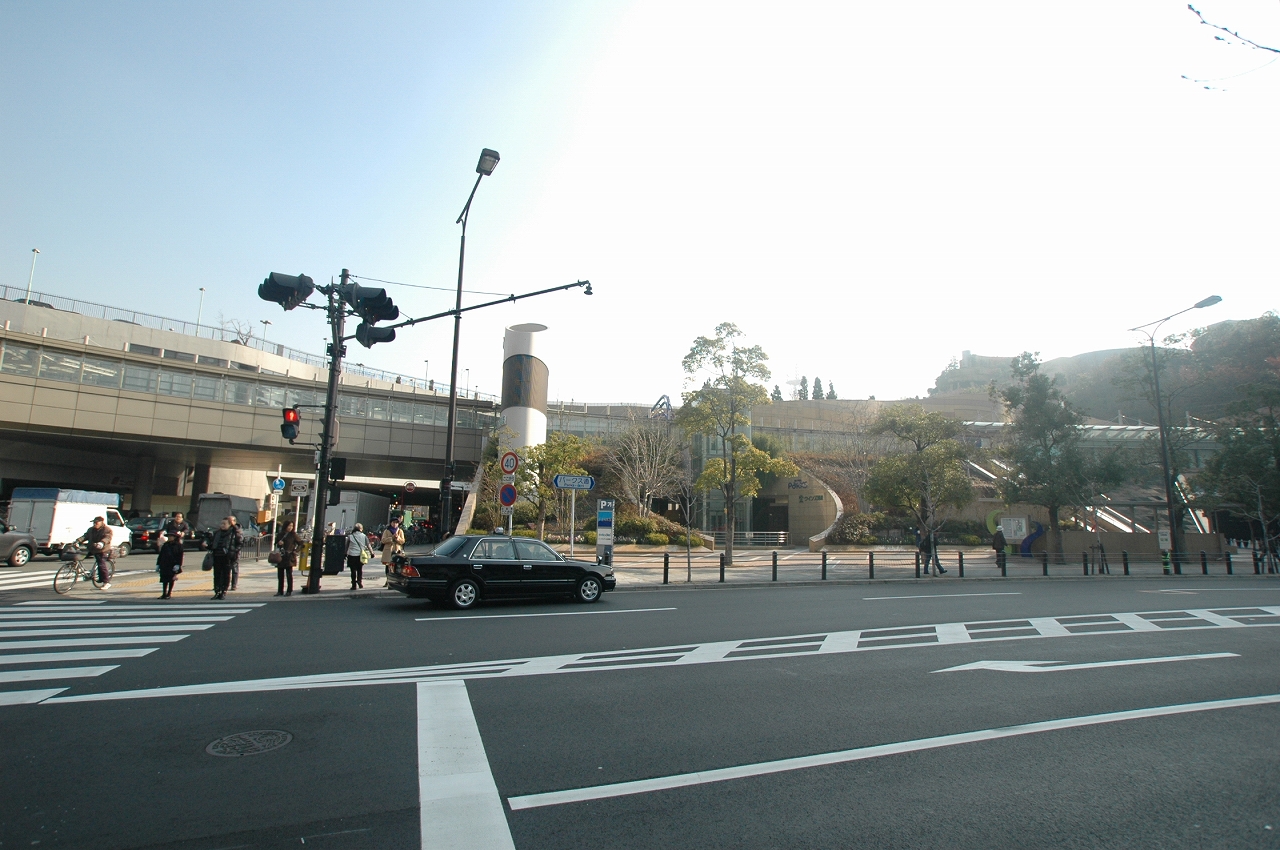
x=604 y=531
x=573 y=483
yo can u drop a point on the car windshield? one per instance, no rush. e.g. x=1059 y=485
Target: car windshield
x=450 y=547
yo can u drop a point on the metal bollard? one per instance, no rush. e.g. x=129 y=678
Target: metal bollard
x=1086 y=562
x=917 y=565
x=775 y=566
x=1124 y=556
x=722 y=568
x=1226 y=556
x=1257 y=564
x=871 y=565
x=666 y=567
x=960 y=555
x=1044 y=562
x=1204 y=562
x=824 y=566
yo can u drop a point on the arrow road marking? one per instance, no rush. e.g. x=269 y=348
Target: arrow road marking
x=1043 y=666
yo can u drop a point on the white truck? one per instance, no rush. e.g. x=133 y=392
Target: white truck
x=56 y=517
x=368 y=509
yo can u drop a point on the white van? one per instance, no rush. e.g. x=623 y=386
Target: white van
x=56 y=518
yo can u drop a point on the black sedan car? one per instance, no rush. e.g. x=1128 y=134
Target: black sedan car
x=16 y=547
x=145 y=531
x=468 y=568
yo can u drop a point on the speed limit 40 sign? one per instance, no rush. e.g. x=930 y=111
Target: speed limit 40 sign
x=510 y=462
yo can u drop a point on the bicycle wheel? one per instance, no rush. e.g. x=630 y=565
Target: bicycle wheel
x=93 y=573
x=66 y=578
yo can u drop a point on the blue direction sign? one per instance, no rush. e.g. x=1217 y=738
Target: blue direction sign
x=278 y=485
x=574 y=482
x=507 y=495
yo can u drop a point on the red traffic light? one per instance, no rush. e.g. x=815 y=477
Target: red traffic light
x=292 y=422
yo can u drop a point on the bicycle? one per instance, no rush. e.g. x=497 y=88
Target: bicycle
x=75 y=570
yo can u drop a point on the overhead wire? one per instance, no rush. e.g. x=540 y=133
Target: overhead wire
x=422 y=286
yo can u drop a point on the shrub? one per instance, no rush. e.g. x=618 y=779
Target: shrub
x=634 y=527
x=856 y=529
x=523 y=532
x=970 y=540
x=486 y=517
x=589 y=538
x=656 y=539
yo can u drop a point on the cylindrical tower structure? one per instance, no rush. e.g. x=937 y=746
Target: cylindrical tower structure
x=524 y=387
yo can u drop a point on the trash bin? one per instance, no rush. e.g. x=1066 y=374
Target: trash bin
x=335 y=554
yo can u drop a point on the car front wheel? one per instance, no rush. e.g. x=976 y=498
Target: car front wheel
x=589 y=590
x=465 y=594
x=20 y=557
x=124 y=550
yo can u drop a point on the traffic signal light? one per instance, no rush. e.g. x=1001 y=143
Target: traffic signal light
x=286 y=290
x=337 y=468
x=372 y=305
x=292 y=422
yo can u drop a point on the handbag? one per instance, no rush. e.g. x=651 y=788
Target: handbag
x=207 y=563
x=276 y=557
x=364 y=556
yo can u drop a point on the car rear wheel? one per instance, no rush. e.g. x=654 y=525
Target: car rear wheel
x=20 y=557
x=464 y=594
x=124 y=550
x=589 y=590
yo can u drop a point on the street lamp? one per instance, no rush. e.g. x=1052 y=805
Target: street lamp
x=200 y=311
x=265 y=323
x=488 y=162
x=1175 y=549
x=35 y=252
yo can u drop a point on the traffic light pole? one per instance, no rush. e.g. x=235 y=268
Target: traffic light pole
x=337 y=320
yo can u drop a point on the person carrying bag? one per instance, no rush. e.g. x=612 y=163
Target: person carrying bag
x=358 y=554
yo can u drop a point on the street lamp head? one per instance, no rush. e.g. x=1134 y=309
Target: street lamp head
x=1209 y=302
x=488 y=162
x=587 y=291
x=35 y=250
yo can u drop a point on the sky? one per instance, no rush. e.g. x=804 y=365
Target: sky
x=865 y=189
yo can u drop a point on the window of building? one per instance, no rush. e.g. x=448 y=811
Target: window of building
x=211 y=361
x=292 y=397
x=139 y=379
x=353 y=405
x=170 y=354
x=56 y=366
x=206 y=388
x=380 y=409
x=137 y=348
x=268 y=396
x=244 y=367
x=237 y=392
x=20 y=360
x=401 y=411
x=175 y=383
x=101 y=373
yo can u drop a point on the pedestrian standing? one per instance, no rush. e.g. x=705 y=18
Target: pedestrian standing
x=177 y=527
x=169 y=564
x=999 y=543
x=358 y=554
x=392 y=542
x=289 y=544
x=224 y=539
x=235 y=561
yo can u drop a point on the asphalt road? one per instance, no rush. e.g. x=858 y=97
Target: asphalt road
x=530 y=724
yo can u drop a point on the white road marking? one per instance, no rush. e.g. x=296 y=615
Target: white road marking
x=1057 y=666
x=9 y=625
x=458 y=800
x=938 y=595
x=61 y=602
x=54 y=673
x=89 y=641
x=87 y=655
x=865 y=640
x=102 y=630
x=54 y=618
x=27 y=697
x=555 y=614
x=684 y=780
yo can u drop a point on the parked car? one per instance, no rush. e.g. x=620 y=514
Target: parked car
x=468 y=568
x=143 y=531
x=16 y=547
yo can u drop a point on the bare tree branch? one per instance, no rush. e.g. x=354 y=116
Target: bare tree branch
x=1251 y=42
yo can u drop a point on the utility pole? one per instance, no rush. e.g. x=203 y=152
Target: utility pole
x=337 y=320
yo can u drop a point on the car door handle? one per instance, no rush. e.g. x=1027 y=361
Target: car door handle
x=528 y=566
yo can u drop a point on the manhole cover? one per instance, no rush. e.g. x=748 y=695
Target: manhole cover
x=249 y=743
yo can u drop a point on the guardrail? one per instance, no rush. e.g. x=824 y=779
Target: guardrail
x=753 y=538
x=898 y=564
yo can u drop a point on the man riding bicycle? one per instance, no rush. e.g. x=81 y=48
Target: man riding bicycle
x=98 y=539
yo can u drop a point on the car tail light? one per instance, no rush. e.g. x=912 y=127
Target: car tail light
x=408 y=571
x=146 y=535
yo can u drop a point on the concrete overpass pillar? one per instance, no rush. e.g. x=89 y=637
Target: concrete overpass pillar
x=144 y=484
x=199 y=486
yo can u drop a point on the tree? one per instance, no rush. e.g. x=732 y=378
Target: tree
x=559 y=455
x=926 y=475
x=721 y=407
x=645 y=459
x=1047 y=465
x=776 y=395
x=803 y=392
x=831 y=391
x=817 y=388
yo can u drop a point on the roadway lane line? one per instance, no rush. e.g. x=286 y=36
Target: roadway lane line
x=27 y=697
x=88 y=641
x=88 y=655
x=54 y=673
x=459 y=805
x=65 y=602
x=193 y=627
x=940 y=595
x=556 y=614
x=1056 y=666
x=684 y=780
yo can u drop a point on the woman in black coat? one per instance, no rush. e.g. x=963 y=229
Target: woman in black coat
x=169 y=564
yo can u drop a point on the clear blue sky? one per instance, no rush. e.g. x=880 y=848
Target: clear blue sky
x=865 y=189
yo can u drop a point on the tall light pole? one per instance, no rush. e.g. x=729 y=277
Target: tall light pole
x=200 y=312
x=1175 y=546
x=35 y=252
x=265 y=323
x=488 y=162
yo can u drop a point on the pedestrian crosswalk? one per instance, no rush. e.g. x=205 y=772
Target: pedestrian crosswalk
x=51 y=641
x=28 y=579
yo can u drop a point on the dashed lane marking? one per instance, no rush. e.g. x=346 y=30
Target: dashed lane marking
x=550 y=614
